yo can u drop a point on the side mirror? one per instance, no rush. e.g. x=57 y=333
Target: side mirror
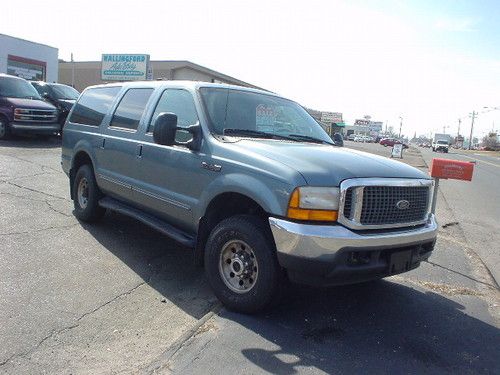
x=165 y=131
x=46 y=95
x=165 y=127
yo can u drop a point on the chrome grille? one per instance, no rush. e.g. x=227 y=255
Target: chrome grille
x=35 y=115
x=377 y=203
x=380 y=204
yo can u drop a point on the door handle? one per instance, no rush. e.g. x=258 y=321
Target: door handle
x=138 y=151
x=103 y=143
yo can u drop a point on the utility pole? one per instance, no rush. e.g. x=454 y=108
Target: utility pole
x=473 y=116
x=400 y=125
x=72 y=71
x=459 y=122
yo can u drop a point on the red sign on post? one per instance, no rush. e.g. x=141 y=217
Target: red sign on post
x=452 y=169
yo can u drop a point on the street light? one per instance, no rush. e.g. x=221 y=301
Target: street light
x=400 y=125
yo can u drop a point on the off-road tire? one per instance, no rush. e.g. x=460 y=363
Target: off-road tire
x=91 y=211
x=4 y=128
x=255 y=232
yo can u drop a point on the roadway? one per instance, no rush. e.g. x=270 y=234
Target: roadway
x=476 y=204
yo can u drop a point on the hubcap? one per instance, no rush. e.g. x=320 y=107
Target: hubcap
x=83 y=193
x=238 y=266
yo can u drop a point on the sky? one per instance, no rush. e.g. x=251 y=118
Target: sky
x=427 y=62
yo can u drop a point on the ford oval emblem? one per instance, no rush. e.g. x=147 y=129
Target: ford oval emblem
x=403 y=205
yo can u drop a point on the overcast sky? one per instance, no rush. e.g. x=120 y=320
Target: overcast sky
x=430 y=62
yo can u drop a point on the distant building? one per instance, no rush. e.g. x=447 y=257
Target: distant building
x=29 y=60
x=82 y=74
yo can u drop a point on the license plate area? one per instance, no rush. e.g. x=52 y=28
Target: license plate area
x=400 y=261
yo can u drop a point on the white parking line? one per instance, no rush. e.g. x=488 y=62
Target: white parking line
x=479 y=160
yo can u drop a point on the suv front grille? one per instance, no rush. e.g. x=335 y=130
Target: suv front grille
x=35 y=115
x=384 y=203
x=380 y=204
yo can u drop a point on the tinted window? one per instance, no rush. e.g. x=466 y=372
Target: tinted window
x=64 y=92
x=93 y=105
x=42 y=89
x=179 y=102
x=129 y=111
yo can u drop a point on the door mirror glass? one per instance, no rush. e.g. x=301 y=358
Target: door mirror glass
x=165 y=128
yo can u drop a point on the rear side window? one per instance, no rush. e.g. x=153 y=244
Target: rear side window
x=130 y=110
x=93 y=105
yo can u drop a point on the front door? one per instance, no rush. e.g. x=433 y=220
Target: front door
x=171 y=178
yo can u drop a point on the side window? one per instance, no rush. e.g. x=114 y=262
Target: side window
x=93 y=105
x=41 y=89
x=179 y=102
x=129 y=111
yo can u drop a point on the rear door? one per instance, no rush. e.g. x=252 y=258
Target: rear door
x=120 y=146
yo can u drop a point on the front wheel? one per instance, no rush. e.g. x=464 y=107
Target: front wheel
x=241 y=264
x=4 y=129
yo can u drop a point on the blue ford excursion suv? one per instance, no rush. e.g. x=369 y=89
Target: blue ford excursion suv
x=250 y=182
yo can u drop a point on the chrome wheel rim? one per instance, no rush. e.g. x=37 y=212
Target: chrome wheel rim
x=83 y=193
x=238 y=266
x=2 y=129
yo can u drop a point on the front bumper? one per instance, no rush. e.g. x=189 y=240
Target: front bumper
x=334 y=255
x=35 y=128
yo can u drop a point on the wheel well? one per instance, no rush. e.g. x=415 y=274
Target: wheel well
x=221 y=207
x=81 y=158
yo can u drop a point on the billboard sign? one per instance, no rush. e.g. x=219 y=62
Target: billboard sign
x=330 y=117
x=124 y=67
x=361 y=122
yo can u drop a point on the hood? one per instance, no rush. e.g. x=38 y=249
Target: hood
x=325 y=165
x=29 y=103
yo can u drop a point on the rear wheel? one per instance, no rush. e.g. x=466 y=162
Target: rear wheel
x=87 y=195
x=4 y=128
x=241 y=264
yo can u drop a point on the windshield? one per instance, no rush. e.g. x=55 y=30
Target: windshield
x=254 y=115
x=64 y=92
x=442 y=142
x=17 y=88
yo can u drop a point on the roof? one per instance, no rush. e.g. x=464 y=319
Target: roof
x=27 y=41
x=192 y=85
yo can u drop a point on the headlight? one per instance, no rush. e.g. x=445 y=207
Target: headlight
x=314 y=203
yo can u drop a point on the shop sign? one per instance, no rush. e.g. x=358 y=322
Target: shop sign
x=331 y=117
x=124 y=67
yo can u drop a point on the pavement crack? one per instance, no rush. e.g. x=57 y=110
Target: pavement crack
x=68 y=328
x=461 y=274
x=39 y=230
x=34 y=190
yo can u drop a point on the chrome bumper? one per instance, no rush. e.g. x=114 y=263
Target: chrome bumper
x=38 y=128
x=317 y=241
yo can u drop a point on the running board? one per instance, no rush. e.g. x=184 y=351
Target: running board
x=150 y=220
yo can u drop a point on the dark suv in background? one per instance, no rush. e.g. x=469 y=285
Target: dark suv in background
x=22 y=109
x=61 y=96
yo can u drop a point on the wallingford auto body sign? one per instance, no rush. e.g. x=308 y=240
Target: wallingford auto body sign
x=121 y=67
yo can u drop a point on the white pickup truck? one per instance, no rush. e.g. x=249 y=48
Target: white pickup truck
x=440 y=145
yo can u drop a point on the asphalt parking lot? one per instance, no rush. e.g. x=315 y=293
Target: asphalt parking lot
x=117 y=297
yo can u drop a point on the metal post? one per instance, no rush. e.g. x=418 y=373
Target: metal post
x=434 y=195
x=472 y=127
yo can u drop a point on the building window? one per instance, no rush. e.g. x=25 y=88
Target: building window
x=26 y=68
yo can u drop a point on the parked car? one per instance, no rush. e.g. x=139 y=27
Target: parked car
x=22 y=109
x=61 y=96
x=391 y=142
x=249 y=181
x=351 y=137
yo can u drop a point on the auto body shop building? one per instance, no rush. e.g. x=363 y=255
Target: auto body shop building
x=29 y=60
x=81 y=74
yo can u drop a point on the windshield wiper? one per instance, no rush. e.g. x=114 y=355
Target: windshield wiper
x=301 y=137
x=253 y=133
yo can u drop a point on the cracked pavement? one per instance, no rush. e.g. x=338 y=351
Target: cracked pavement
x=117 y=297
